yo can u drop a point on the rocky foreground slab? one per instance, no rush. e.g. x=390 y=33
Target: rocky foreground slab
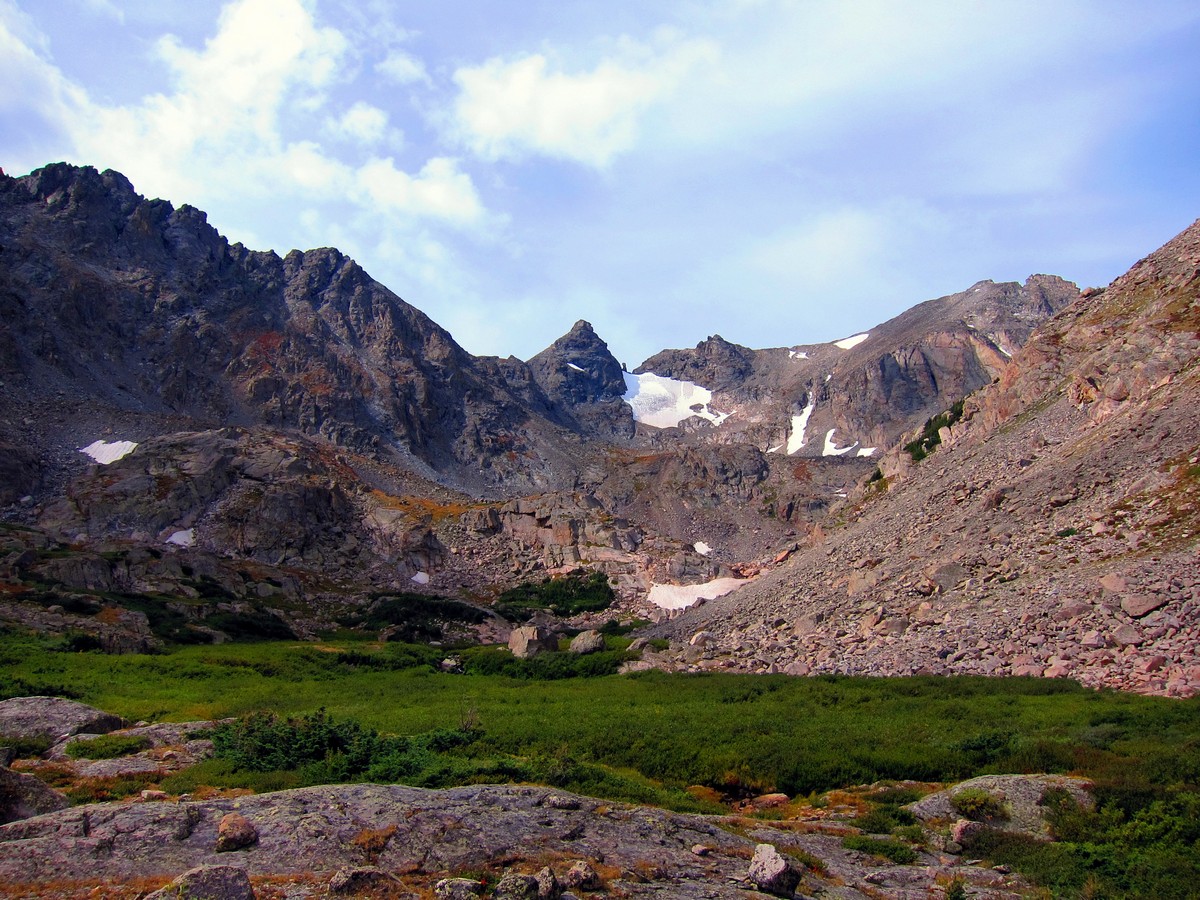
x=313 y=839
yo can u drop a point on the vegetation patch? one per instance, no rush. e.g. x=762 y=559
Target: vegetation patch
x=895 y=851
x=930 y=435
x=978 y=804
x=567 y=595
x=107 y=746
x=415 y=618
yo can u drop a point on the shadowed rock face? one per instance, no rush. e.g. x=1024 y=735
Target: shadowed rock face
x=114 y=302
x=584 y=383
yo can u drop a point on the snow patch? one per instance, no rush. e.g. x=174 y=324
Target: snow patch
x=799 y=423
x=681 y=596
x=832 y=449
x=104 y=453
x=797 y=354
x=664 y=402
x=576 y=368
x=421 y=578
x=866 y=451
x=851 y=342
x=184 y=538
x=702 y=548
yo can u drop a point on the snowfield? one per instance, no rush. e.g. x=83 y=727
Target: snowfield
x=799 y=424
x=832 y=449
x=664 y=402
x=681 y=596
x=184 y=538
x=104 y=453
x=851 y=342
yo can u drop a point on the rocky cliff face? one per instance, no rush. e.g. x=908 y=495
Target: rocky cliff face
x=584 y=383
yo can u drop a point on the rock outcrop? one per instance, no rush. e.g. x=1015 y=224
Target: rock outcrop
x=52 y=717
x=417 y=840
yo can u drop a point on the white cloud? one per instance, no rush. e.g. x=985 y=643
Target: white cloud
x=403 y=68
x=363 y=123
x=510 y=108
x=438 y=191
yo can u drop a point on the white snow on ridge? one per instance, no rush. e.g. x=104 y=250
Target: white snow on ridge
x=104 y=453
x=664 y=402
x=702 y=548
x=866 y=451
x=184 y=538
x=799 y=423
x=576 y=368
x=832 y=449
x=421 y=578
x=681 y=596
x=797 y=354
x=853 y=341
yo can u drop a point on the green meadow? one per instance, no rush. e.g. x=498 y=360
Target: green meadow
x=690 y=742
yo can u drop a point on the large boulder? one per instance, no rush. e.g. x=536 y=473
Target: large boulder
x=772 y=872
x=1019 y=795
x=208 y=883
x=530 y=640
x=23 y=796
x=587 y=642
x=53 y=717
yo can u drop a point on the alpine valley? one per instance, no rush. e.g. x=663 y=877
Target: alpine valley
x=200 y=442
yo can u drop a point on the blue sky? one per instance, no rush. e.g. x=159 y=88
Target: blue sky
x=775 y=172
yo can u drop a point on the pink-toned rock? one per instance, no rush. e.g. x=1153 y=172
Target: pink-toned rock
x=1127 y=636
x=1138 y=605
x=235 y=832
x=772 y=872
x=965 y=832
x=1113 y=582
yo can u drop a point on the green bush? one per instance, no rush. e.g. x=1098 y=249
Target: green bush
x=416 y=618
x=978 y=804
x=567 y=595
x=107 y=746
x=899 y=853
x=929 y=437
x=26 y=747
x=545 y=666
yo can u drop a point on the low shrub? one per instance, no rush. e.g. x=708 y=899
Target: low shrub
x=566 y=595
x=107 y=746
x=978 y=804
x=899 y=853
x=26 y=747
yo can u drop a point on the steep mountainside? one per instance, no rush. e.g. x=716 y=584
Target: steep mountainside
x=1054 y=532
x=125 y=312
